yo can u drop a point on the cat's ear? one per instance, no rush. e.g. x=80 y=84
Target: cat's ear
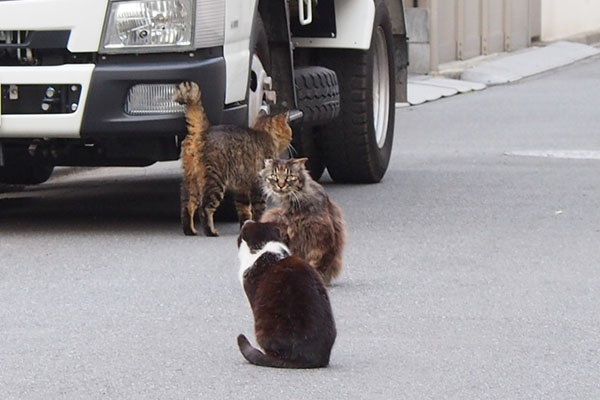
x=261 y=119
x=268 y=163
x=282 y=118
x=300 y=161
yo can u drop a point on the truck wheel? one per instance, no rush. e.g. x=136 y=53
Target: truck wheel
x=318 y=97
x=357 y=146
x=305 y=145
x=318 y=94
x=20 y=168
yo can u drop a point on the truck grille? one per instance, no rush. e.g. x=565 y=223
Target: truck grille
x=29 y=48
x=11 y=43
x=12 y=37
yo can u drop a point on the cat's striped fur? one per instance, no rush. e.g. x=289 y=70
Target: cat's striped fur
x=222 y=158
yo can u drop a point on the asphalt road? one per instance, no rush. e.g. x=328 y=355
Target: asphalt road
x=471 y=271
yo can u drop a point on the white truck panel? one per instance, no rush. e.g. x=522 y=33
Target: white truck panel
x=46 y=125
x=85 y=19
x=238 y=27
x=354 y=23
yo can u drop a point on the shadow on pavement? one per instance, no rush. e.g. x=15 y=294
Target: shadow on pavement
x=94 y=204
x=134 y=203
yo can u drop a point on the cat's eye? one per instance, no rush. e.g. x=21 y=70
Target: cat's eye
x=291 y=178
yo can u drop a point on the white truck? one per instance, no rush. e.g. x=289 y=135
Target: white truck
x=90 y=82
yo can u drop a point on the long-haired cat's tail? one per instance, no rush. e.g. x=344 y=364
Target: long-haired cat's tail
x=190 y=95
x=192 y=147
x=257 y=357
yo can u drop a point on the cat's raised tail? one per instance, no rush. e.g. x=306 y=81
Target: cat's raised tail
x=257 y=357
x=192 y=148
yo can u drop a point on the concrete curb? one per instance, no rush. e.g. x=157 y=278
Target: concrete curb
x=424 y=88
x=529 y=62
x=477 y=74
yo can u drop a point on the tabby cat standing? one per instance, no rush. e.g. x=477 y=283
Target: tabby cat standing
x=224 y=158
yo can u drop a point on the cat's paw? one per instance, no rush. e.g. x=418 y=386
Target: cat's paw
x=211 y=232
x=188 y=228
x=187 y=93
x=187 y=222
x=187 y=231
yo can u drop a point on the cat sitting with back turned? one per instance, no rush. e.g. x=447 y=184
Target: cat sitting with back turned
x=293 y=321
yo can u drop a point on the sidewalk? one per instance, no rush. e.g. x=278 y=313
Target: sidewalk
x=478 y=73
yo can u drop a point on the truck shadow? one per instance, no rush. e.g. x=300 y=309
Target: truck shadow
x=139 y=204
x=98 y=204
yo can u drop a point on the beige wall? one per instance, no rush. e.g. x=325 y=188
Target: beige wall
x=561 y=18
x=441 y=31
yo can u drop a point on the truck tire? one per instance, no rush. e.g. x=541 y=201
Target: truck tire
x=357 y=146
x=318 y=94
x=304 y=144
x=318 y=98
x=20 y=168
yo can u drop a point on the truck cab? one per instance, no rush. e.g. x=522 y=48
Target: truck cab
x=90 y=82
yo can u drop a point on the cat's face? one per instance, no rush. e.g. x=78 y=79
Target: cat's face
x=284 y=177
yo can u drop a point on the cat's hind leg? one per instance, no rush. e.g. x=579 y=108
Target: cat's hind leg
x=242 y=206
x=323 y=255
x=189 y=204
x=316 y=258
x=212 y=196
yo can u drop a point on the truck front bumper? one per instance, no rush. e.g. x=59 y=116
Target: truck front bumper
x=104 y=86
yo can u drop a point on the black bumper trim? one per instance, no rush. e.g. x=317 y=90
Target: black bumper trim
x=104 y=115
x=41 y=40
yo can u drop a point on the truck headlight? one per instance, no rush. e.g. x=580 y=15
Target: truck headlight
x=149 y=26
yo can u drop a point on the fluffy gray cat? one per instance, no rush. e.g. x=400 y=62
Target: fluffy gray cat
x=311 y=224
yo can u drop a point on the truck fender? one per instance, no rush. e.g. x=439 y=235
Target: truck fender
x=354 y=22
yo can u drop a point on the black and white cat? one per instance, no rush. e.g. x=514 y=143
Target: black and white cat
x=293 y=321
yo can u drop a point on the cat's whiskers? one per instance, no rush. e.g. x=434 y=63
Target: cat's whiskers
x=271 y=195
x=292 y=151
x=295 y=199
